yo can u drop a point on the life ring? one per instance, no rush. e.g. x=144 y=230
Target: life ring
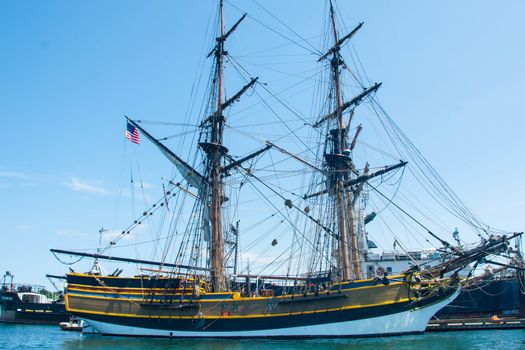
x=380 y=271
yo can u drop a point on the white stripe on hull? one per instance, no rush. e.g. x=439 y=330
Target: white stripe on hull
x=413 y=321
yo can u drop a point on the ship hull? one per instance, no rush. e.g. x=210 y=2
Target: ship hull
x=406 y=322
x=501 y=297
x=14 y=310
x=360 y=308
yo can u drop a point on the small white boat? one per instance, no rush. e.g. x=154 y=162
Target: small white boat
x=74 y=324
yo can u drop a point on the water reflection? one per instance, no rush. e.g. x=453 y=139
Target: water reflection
x=51 y=337
x=441 y=341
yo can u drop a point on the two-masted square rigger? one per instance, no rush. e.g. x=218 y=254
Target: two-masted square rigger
x=201 y=295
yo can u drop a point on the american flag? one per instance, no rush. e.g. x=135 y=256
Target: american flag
x=132 y=134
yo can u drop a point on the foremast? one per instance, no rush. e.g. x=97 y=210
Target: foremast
x=340 y=164
x=339 y=142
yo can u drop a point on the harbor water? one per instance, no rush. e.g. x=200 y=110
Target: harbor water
x=51 y=337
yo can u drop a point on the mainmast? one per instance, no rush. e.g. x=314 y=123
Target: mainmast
x=215 y=151
x=210 y=184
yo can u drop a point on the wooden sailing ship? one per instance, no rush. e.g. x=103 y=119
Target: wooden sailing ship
x=188 y=300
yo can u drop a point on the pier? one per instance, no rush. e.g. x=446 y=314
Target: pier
x=474 y=324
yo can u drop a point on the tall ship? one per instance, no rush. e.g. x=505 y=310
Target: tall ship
x=316 y=286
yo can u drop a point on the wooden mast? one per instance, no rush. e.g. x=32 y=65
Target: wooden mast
x=216 y=152
x=215 y=156
x=339 y=145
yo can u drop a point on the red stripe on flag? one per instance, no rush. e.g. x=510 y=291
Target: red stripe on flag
x=133 y=137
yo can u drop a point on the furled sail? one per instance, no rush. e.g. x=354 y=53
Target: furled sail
x=194 y=178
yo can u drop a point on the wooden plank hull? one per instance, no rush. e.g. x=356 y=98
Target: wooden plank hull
x=360 y=308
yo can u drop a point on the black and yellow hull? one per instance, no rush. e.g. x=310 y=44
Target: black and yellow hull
x=360 y=308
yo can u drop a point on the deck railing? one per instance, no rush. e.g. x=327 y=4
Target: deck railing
x=21 y=288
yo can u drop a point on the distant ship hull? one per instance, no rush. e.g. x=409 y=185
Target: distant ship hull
x=359 y=308
x=14 y=310
x=486 y=298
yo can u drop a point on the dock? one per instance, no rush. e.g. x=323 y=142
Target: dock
x=474 y=324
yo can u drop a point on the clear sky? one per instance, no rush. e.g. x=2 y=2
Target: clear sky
x=453 y=78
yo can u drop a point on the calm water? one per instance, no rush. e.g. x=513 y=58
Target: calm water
x=51 y=337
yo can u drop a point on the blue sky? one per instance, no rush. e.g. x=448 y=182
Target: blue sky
x=452 y=73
